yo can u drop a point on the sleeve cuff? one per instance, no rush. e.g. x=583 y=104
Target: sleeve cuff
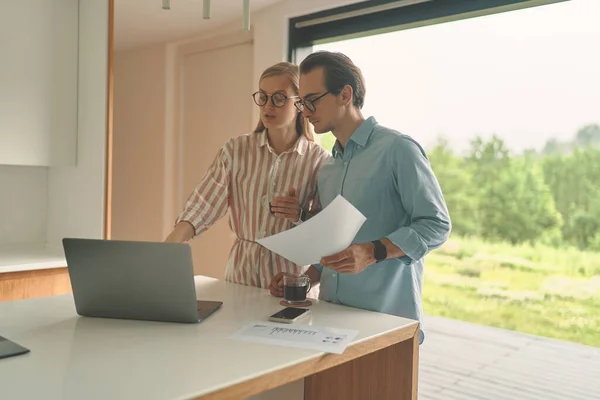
x=184 y=218
x=409 y=242
x=406 y=260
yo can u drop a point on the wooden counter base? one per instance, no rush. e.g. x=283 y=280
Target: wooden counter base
x=29 y=284
x=389 y=373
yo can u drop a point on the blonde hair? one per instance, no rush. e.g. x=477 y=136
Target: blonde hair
x=303 y=127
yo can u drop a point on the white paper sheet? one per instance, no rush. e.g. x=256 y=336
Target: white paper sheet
x=329 y=232
x=326 y=339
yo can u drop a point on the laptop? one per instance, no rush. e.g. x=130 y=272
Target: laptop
x=151 y=281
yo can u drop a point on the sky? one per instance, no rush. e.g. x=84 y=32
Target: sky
x=527 y=76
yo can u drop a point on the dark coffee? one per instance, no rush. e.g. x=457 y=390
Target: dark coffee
x=294 y=293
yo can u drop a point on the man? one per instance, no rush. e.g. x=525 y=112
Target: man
x=384 y=174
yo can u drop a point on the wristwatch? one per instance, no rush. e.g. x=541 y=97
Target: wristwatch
x=380 y=251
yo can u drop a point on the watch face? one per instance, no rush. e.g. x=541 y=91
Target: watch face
x=380 y=251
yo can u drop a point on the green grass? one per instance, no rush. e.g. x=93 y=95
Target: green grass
x=532 y=289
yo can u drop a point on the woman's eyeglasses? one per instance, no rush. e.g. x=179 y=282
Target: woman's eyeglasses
x=277 y=99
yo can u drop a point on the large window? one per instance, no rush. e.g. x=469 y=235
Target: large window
x=508 y=108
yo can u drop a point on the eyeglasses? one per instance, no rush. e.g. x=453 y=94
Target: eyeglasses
x=277 y=99
x=309 y=104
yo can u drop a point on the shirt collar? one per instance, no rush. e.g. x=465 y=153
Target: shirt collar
x=300 y=147
x=360 y=136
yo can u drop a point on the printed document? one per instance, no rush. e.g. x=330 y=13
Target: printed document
x=327 y=233
x=329 y=340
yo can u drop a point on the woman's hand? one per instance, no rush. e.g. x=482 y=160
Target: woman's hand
x=287 y=207
x=183 y=232
x=276 y=286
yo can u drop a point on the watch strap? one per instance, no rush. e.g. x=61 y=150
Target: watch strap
x=302 y=214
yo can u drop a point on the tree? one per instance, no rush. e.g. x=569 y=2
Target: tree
x=573 y=180
x=552 y=146
x=515 y=204
x=455 y=178
x=589 y=135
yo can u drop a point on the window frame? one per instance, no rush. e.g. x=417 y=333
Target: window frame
x=372 y=17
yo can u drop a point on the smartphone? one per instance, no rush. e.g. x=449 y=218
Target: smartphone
x=10 y=349
x=289 y=315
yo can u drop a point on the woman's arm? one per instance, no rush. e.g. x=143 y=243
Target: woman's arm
x=208 y=202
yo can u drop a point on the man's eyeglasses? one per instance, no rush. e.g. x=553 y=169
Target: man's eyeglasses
x=309 y=104
x=277 y=99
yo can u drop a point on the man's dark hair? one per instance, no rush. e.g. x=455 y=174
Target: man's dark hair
x=339 y=71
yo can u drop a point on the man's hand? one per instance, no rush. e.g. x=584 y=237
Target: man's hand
x=276 y=285
x=353 y=260
x=287 y=207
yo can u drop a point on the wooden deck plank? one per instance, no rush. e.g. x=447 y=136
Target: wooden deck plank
x=459 y=360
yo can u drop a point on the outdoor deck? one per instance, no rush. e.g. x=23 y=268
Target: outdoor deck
x=464 y=361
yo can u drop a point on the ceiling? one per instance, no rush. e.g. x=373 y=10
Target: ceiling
x=144 y=22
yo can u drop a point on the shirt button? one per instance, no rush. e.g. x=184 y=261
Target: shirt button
x=345 y=162
x=334 y=274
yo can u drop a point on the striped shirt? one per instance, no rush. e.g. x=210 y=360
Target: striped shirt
x=244 y=177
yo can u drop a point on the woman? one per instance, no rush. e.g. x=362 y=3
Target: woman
x=266 y=179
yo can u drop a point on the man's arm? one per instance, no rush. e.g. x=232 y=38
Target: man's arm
x=422 y=199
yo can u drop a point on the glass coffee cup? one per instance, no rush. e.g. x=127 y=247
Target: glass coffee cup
x=272 y=196
x=295 y=288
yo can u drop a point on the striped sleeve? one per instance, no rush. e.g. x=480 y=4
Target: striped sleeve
x=210 y=199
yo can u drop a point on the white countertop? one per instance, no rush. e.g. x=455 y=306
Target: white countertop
x=30 y=257
x=75 y=357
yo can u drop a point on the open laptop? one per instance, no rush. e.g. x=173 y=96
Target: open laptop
x=152 y=281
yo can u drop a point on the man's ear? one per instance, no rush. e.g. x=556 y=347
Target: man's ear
x=346 y=95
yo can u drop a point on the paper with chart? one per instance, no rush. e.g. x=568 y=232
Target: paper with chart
x=329 y=340
x=328 y=232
